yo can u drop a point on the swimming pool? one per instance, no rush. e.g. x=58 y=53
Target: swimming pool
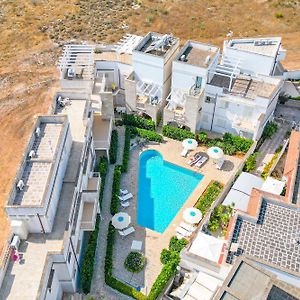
x=163 y=188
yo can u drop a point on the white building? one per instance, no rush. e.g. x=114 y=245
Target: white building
x=191 y=70
x=256 y=55
x=147 y=87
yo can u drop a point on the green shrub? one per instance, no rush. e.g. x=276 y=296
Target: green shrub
x=165 y=256
x=113 y=150
x=279 y=15
x=250 y=164
x=209 y=196
x=126 y=149
x=220 y=218
x=87 y=268
x=269 y=130
x=176 y=244
x=135 y=262
x=177 y=133
x=114 y=205
x=137 y=121
x=146 y=134
x=202 y=137
x=102 y=168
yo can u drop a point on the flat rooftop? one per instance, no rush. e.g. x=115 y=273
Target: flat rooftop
x=246 y=86
x=38 y=170
x=271 y=237
x=197 y=54
x=247 y=280
x=156 y=44
x=264 y=46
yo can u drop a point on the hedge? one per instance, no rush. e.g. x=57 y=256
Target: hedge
x=113 y=150
x=266 y=171
x=108 y=266
x=171 y=259
x=126 y=150
x=177 y=133
x=87 y=268
x=209 y=196
x=137 y=121
x=146 y=134
x=250 y=164
x=114 y=205
x=102 y=168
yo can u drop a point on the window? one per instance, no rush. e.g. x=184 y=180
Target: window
x=50 y=280
x=69 y=257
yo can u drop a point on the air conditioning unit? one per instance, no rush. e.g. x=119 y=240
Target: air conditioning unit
x=38 y=131
x=31 y=154
x=15 y=242
x=20 y=185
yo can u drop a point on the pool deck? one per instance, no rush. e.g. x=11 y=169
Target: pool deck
x=154 y=242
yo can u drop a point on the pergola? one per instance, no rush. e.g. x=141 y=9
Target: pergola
x=80 y=58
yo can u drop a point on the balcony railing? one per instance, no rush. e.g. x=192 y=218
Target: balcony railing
x=88 y=218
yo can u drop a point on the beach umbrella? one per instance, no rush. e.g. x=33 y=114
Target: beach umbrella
x=189 y=144
x=192 y=215
x=215 y=153
x=121 y=220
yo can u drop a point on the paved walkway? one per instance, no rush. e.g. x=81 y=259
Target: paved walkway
x=99 y=289
x=269 y=147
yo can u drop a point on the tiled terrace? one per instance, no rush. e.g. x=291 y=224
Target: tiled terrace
x=273 y=238
x=154 y=242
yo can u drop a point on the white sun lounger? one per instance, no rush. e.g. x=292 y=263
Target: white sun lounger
x=125 y=204
x=201 y=162
x=184 y=152
x=126 y=197
x=187 y=227
x=194 y=159
x=123 y=192
x=179 y=236
x=126 y=231
x=182 y=231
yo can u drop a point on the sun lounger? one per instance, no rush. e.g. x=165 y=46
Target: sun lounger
x=123 y=192
x=194 y=159
x=184 y=152
x=126 y=197
x=183 y=232
x=126 y=231
x=201 y=162
x=187 y=227
x=219 y=164
x=125 y=204
x=179 y=236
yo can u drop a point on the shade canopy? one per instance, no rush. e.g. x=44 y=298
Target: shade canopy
x=189 y=144
x=121 y=220
x=215 y=153
x=207 y=246
x=192 y=215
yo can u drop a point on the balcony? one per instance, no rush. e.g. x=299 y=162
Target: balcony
x=93 y=183
x=101 y=132
x=88 y=218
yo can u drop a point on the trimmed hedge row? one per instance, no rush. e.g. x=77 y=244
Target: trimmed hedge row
x=177 y=133
x=114 y=204
x=170 y=258
x=102 y=168
x=87 y=268
x=108 y=266
x=146 y=134
x=209 y=196
x=137 y=121
x=126 y=150
x=113 y=150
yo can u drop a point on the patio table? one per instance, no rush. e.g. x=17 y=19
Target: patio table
x=136 y=245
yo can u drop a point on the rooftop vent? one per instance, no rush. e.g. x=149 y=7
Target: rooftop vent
x=38 y=131
x=20 y=185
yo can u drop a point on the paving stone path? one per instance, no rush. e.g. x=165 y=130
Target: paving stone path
x=99 y=289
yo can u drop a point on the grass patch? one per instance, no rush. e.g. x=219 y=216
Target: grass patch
x=137 y=121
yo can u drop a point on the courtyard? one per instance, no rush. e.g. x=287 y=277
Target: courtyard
x=153 y=242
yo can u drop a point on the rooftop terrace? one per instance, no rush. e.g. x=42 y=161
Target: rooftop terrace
x=197 y=54
x=156 y=44
x=271 y=237
x=36 y=170
x=264 y=46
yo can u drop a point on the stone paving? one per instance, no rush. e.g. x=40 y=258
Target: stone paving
x=99 y=289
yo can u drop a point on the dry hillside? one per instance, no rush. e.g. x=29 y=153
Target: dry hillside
x=32 y=30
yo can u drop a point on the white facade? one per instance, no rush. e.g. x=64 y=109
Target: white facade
x=257 y=55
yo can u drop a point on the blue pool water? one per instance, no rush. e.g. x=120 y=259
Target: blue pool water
x=162 y=191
